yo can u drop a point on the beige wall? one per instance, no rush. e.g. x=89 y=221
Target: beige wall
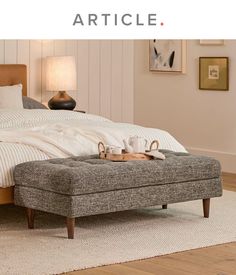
x=204 y=121
x=105 y=72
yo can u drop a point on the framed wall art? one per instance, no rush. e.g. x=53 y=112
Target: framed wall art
x=167 y=55
x=214 y=73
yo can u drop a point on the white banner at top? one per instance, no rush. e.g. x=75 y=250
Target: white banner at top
x=109 y=19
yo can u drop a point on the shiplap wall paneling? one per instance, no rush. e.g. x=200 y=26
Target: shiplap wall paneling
x=71 y=49
x=23 y=57
x=116 y=80
x=47 y=50
x=105 y=78
x=2 y=51
x=60 y=47
x=35 y=69
x=11 y=51
x=83 y=75
x=94 y=77
x=128 y=86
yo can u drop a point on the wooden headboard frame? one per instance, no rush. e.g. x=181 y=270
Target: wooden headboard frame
x=14 y=74
x=11 y=75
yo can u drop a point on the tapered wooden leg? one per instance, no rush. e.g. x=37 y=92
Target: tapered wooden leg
x=206 y=207
x=30 y=217
x=70 y=222
x=164 y=206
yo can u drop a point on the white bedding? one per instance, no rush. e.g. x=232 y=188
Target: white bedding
x=42 y=134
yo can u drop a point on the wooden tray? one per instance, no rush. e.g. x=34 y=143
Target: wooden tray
x=124 y=156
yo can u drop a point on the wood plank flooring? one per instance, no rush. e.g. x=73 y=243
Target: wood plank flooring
x=215 y=260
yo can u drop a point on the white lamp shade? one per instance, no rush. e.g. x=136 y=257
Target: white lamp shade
x=61 y=73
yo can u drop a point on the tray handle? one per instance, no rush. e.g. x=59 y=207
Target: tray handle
x=101 y=147
x=154 y=145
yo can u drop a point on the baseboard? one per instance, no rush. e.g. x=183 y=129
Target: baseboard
x=227 y=160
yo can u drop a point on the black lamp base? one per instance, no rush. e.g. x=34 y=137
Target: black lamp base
x=61 y=101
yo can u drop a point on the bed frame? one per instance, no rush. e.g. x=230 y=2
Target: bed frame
x=11 y=75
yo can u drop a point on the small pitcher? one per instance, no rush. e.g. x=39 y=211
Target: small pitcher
x=139 y=144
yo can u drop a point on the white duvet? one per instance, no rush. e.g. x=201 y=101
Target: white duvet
x=27 y=135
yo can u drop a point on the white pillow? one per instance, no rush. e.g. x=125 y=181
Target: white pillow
x=11 y=97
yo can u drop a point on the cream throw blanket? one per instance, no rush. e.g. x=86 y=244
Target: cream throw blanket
x=64 y=139
x=61 y=140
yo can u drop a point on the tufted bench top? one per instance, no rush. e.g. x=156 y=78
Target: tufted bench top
x=85 y=175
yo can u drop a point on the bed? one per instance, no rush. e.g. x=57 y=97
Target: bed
x=40 y=134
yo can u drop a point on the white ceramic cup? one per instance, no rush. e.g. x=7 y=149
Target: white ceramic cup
x=108 y=149
x=117 y=150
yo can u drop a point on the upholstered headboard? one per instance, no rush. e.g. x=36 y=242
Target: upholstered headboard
x=14 y=74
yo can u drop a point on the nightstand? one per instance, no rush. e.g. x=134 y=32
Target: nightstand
x=80 y=111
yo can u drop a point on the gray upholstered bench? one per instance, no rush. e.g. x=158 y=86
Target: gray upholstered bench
x=81 y=186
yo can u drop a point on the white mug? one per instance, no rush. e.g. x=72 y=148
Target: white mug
x=108 y=149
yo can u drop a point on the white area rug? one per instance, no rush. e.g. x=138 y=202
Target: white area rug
x=111 y=238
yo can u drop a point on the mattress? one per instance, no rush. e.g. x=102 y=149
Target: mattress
x=12 y=154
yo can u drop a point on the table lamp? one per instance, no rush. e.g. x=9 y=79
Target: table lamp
x=61 y=77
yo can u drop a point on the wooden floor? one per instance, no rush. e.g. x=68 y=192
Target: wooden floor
x=217 y=260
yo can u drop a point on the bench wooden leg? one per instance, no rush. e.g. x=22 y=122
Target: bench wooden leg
x=206 y=207
x=164 y=206
x=30 y=217
x=70 y=222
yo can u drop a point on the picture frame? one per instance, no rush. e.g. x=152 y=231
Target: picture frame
x=212 y=42
x=214 y=73
x=167 y=56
